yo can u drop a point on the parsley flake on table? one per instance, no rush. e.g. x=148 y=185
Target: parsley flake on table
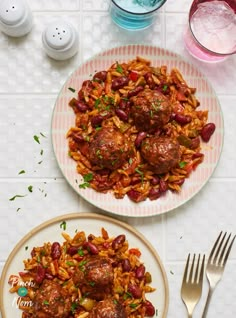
x=43 y=135
x=21 y=172
x=36 y=138
x=71 y=89
x=17 y=196
x=63 y=225
x=18 y=209
x=87 y=178
x=26 y=248
x=30 y=188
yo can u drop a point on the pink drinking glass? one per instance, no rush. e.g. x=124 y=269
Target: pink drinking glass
x=198 y=37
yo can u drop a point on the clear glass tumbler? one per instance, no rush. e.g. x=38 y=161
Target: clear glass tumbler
x=134 y=14
x=211 y=32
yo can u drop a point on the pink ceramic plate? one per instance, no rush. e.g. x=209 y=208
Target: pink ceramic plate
x=63 y=118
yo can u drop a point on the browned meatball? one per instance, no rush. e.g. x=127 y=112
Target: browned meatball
x=95 y=277
x=109 y=148
x=51 y=301
x=150 y=110
x=108 y=308
x=162 y=153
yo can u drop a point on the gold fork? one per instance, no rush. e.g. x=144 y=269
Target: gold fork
x=191 y=289
x=216 y=264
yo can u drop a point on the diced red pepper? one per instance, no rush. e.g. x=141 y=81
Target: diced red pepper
x=133 y=76
x=135 y=251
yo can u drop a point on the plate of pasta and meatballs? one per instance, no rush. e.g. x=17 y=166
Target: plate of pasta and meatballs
x=84 y=265
x=137 y=130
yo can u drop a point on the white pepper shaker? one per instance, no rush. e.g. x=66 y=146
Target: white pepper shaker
x=15 y=17
x=60 y=40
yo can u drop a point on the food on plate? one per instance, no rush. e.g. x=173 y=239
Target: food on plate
x=84 y=276
x=138 y=130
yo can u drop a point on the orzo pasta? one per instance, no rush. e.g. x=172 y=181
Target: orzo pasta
x=138 y=130
x=85 y=276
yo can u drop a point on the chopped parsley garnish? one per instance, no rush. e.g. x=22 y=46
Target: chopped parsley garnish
x=80 y=252
x=70 y=263
x=115 y=301
x=63 y=225
x=182 y=164
x=164 y=88
x=98 y=128
x=97 y=102
x=133 y=305
x=30 y=188
x=73 y=307
x=21 y=172
x=98 y=154
x=87 y=178
x=36 y=138
x=127 y=295
x=92 y=284
x=16 y=196
x=45 y=302
x=71 y=89
x=140 y=173
x=130 y=161
x=119 y=68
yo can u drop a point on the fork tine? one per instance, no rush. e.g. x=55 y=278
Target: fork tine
x=218 y=248
x=224 y=248
x=214 y=247
x=197 y=269
x=228 y=251
x=186 y=269
x=202 y=269
x=191 y=270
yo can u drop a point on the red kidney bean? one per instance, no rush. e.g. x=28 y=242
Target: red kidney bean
x=72 y=250
x=126 y=265
x=135 y=180
x=82 y=107
x=133 y=195
x=96 y=120
x=135 y=91
x=155 y=180
x=55 y=250
x=163 y=187
x=197 y=155
x=135 y=290
x=78 y=137
x=123 y=104
x=33 y=253
x=118 y=241
x=119 y=82
x=150 y=309
x=91 y=248
x=182 y=119
x=48 y=276
x=121 y=114
x=207 y=131
x=195 y=143
x=100 y=76
x=140 y=272
x=154 y=194
x=40 y=274
x=140 y=137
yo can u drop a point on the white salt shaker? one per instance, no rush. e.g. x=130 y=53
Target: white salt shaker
x=15 y=17
x=60 y=40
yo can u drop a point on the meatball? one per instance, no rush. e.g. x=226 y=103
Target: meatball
x=95 y=277
x=108 y=308
x=51 y=300
x=162 y=153
x=109 y=148
x=150 y=110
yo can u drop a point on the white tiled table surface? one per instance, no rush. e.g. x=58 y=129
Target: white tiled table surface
x=29 y=84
